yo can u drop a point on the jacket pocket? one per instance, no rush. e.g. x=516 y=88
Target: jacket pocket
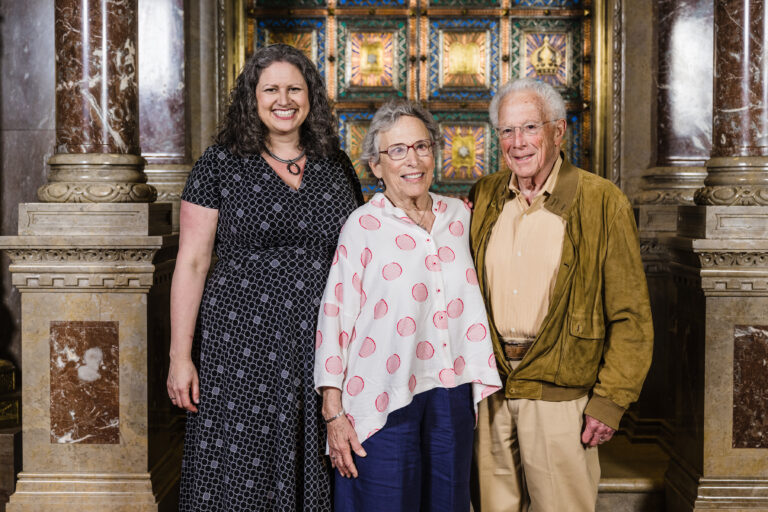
x=582 y=350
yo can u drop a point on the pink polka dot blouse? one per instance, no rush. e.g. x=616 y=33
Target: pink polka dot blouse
x=402 y=313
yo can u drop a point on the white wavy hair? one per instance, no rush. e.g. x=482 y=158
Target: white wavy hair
x=553 y=102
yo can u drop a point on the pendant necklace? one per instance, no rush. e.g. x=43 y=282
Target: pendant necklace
x=423 y=214
x=290 y=163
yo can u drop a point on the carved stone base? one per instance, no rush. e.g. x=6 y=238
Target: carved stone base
x=687 y=491
x=98 y=430
x=169 y=180
x=671 y=185
x=96 y=178
x=735 y=181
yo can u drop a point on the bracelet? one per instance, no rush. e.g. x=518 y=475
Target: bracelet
x=334 y=417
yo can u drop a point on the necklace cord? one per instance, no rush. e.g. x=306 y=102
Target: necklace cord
x=290 y=163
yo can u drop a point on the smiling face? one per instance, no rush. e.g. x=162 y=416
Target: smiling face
x=283 y=98
x=530 y=156
x=408 y=179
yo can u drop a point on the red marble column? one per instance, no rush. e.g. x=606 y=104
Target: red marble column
x=738 y=169
x=97 y=156
x=96 y=77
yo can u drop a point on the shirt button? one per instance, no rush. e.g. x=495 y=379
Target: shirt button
x=428 y=240
x=438 y=290
x=519 y=253
x=513 y=329
x=514 y=292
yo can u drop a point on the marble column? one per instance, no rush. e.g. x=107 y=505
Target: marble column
x=719 y=271
x=683 y=142
x=97 y=155
x=737 y=173
x=93 y=264
x=163 y=98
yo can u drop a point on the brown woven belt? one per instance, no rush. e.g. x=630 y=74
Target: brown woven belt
x=515 y=348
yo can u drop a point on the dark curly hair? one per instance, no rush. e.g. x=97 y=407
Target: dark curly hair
x=242 y=130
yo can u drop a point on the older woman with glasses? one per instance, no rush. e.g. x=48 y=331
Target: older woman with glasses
x=402 y=348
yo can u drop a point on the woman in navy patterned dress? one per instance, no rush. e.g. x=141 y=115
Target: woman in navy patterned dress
x=270 y=198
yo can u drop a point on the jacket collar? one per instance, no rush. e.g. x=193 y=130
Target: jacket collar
x=562 y=197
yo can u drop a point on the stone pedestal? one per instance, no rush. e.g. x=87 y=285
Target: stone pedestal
x=98 y=430
x=719 y=269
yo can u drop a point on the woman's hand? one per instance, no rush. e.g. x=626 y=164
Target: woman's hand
x=342 y=438
x=182 y=380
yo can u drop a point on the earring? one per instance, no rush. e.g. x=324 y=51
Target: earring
x=380 y=184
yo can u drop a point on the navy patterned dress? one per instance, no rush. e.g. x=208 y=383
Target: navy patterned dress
x=258 y=440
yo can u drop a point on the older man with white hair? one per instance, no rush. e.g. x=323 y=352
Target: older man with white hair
x=558 y=261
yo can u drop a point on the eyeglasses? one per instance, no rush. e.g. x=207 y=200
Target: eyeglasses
x=399 y=151
x=507 y=132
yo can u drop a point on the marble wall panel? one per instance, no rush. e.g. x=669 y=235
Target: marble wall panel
x=96 y=84
x=85 y=382
x=26 y=132
x=162 y=92
x=750 y=386
x=637 y=145
x=23 y=156
x=684 y=128
x=26 y=46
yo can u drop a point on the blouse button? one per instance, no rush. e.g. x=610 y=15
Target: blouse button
x=438 y=290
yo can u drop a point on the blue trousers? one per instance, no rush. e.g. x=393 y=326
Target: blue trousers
x=419 y=461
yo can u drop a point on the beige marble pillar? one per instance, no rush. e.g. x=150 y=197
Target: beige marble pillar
x=93 y=265
x=719 y=270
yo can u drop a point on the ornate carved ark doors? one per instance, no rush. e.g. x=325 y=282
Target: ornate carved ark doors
x=452 y=55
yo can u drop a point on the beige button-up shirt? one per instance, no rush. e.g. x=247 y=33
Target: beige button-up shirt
x=522 y=260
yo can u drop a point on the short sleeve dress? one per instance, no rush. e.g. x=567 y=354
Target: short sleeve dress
x=258 y=440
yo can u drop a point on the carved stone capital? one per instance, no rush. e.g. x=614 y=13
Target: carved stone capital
x=96 y=178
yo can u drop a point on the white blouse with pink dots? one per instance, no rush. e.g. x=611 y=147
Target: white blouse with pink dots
x=402 y=313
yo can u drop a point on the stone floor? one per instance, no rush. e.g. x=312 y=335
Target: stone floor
x=632 y=475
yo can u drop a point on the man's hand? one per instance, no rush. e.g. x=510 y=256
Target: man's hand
x=595 y=432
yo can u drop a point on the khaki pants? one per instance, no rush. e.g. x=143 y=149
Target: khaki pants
x=529 y=457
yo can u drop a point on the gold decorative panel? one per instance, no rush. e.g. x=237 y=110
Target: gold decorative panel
x=464 y=59
x=303 y=41
x=371 y=59
x=546 y=57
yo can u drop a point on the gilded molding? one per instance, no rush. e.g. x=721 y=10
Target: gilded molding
x=732 y=196
x=77 y=255
x=58 y=192
x=733 y=259
x=221 y=56
x=616 y=81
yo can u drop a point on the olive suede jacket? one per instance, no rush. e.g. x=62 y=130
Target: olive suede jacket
x=597 y=336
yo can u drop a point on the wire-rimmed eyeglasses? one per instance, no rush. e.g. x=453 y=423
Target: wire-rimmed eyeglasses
x=530 y=128
x=399 y=151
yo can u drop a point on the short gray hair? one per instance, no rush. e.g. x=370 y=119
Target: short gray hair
x=386 y=117
x=553 y=102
